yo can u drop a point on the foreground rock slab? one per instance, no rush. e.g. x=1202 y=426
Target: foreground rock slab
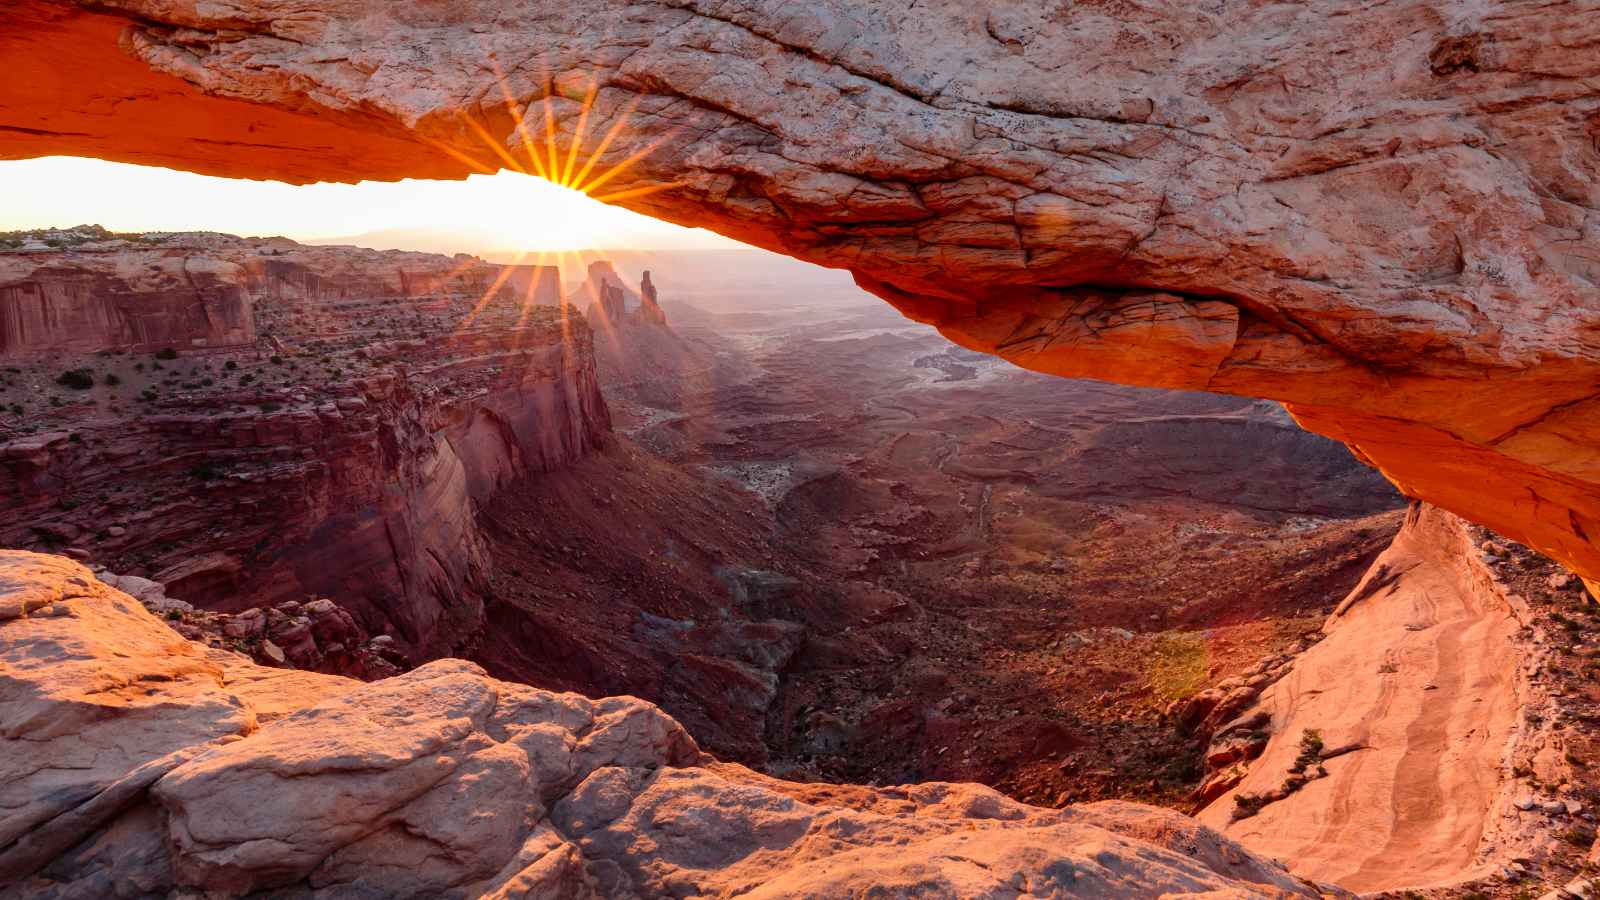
x=1412 y=702
x=1383 y=216
x=135 y=763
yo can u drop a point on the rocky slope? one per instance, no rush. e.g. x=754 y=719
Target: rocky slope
x=1382 y=215
x=1413 y=697
x=337 y=444
x=1437 y=737
x=137 y=764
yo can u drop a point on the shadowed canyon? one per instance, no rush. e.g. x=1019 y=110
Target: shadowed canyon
x=1211 y=509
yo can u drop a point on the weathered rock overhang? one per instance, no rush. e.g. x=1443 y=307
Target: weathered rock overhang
x=1383 y=216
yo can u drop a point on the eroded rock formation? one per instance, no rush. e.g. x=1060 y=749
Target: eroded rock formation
x=1412 y=702
x=135 y=763
x=1383 y=215
x=342 y=453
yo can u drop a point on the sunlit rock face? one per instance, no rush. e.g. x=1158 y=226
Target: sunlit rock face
x=139 y=764
x=1382 y=216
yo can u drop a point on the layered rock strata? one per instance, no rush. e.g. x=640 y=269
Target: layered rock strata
x=1414 y=696
x=86 y=290
x=1383 y=216
x=138 y=764
x=341 y=455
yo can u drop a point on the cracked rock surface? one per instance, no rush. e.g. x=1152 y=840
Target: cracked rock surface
x=1383 y=215
x=136 y=763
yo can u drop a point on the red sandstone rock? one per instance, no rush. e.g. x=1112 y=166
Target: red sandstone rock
x=1155 y=194
x=1415 y=698
x=137 y=763
x=340 y=450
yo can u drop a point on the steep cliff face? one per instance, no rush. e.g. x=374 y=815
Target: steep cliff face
x=50 y=304
x=88 y=291
x=1382 y=216
x=344 y=454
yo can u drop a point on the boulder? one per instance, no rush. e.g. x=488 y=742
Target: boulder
x=1232 y=704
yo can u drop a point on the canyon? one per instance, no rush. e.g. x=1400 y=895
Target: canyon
x=817 y=542
x=330 y=442
x=827 y=551
x=1405 y=261
x=232 y=569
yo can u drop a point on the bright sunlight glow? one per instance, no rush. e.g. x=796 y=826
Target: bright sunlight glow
x=491 y=215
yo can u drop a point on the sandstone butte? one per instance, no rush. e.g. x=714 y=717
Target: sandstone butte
x=1383 y=215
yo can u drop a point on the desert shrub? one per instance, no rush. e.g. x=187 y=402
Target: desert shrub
x=1247 y=805
x=230 y=365
x=77 y=379
x=166 y=353
x=111 y=380
x=1310 y=750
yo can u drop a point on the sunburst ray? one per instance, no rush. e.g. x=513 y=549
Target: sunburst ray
x=494 y=288
x=626 y=164
x=520 y=119
x=498 y=147
x=637 y=192
x=580 y=132
x=611 y=135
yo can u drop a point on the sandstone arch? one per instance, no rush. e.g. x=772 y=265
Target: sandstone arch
x=1384 y=216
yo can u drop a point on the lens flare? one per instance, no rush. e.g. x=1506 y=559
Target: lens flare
x=576 y=168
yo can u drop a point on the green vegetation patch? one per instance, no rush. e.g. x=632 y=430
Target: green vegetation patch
x=1180 y=663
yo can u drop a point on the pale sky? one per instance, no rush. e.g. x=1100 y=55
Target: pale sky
x=485 y=214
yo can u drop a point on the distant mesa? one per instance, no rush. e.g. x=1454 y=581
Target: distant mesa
x=89 y=290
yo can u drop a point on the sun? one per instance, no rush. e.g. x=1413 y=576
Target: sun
x=538 y=150
x=573 y=180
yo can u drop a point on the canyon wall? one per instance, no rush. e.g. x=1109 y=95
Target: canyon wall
x=1416 y=699
x=1382 y=216
x=49 y=305
x=138 y=764
x=343 y=453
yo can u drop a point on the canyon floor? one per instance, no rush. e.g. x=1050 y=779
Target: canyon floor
x=1004 y=577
